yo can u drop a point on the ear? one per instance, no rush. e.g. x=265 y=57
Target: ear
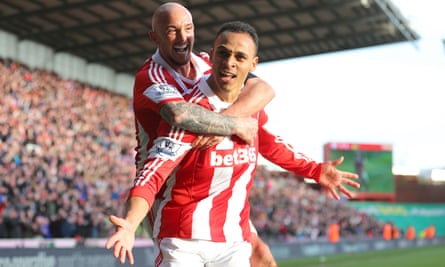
x=254 y=63
x=152 y=36
x=211 y=54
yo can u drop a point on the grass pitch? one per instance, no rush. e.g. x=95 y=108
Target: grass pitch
x=429 y=256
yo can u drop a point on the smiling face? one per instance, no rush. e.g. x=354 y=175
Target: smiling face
x=233 y=57
x=173 y=32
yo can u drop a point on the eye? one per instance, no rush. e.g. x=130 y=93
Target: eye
x=171 y=31
x=241 y=57
x=223 y=53
x=189 y=28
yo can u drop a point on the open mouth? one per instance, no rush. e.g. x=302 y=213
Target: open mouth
x=227 y=75
x=181 y=49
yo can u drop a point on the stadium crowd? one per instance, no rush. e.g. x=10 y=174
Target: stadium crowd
x=66 y=154
x=67 y=161
x=289 y=210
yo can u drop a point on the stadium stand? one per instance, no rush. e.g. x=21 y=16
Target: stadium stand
x=65 y=153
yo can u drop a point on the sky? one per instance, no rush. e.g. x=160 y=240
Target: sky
x=390 y=94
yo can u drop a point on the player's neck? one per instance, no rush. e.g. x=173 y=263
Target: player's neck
x=225 y=94
x=188 y=70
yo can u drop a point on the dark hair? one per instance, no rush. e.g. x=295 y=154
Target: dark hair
x=240 y=27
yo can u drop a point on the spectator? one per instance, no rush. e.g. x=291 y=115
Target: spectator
x=411 y=233
x=3 y=228
x=430 y=232
x=13 y=223
x=387 y=231
x=334 y=232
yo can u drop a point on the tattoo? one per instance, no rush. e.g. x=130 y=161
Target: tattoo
x=197 y=119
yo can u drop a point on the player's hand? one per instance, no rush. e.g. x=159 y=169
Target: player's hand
x=122 y=240
x=246 y=129
x=206 y=141
x=333 y=179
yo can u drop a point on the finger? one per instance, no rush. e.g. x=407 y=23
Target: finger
x=116 y=220
x=196 y=143
x=117 y=249
x=110 y=242
x=204 y=146
x=213 y=142
x=130 y=257
x=351 y=183
x=345 y=191
x=204 y=143
x=123 y=254
x=350 y=175
x=338 y=161
x=334 y=193
x=210 y=141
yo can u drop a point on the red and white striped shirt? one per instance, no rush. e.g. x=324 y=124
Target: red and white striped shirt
x=156 y=84
x=207 y=194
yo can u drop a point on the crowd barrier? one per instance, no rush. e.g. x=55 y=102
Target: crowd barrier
x=67 y=252
x=91 y=253
x=313 y=249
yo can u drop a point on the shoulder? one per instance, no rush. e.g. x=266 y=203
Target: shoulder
x=153 y=78
x=204 y=56
x=153 y=72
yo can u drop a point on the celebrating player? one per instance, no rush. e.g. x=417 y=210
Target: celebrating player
x=203 y=210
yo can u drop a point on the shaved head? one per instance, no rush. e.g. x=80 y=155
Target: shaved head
x=164 y=13
x=174 y=34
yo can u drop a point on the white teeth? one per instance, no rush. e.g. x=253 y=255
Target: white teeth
x=181 y=47
x=227 y=74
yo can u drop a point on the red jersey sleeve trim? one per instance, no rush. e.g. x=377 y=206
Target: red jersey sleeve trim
x=281 y=153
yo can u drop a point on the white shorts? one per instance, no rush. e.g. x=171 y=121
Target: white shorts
x=177 y=252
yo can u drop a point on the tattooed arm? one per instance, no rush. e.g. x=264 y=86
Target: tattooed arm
x=203 y=121
x=256 y=94
x=254 y=97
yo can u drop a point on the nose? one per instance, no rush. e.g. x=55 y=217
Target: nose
x=181 y=35
x=230 y=60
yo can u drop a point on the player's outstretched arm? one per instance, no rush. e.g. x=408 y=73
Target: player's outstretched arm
x=122 y=240
x=277 y=151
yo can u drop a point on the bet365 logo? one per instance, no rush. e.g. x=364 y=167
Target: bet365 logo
x=228 y=158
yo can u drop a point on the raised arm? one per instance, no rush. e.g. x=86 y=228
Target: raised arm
x=256 y=94
x=199 y=120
